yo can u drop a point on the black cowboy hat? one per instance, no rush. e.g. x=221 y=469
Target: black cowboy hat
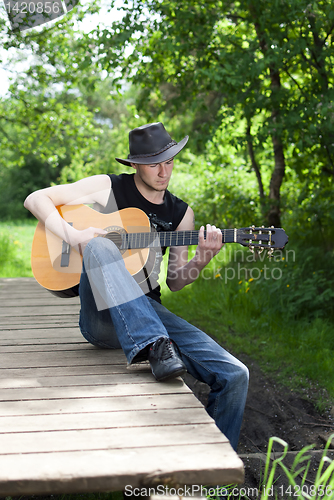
x=151 y=144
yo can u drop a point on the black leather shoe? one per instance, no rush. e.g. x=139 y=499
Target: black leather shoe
x=165 y=360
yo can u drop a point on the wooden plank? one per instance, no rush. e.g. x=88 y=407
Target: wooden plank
x=18 y=283
x=60 y=320
x=30 y=286
x=40 y=333
x=77 y=380
x=109 y=439
x=24 y=293
x=26 y=311
x=92 y=405
x=52 y=340
x=89 y=355
x=41 y=300
x=68 y=371
x=90 y=391
x=24 y=345
x=20 y=345
x=112 y=470
x=122 y=418
x=30 y=297
x=13 y=285
x=47 y=347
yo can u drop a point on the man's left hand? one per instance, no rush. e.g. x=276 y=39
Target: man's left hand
x=210 y=245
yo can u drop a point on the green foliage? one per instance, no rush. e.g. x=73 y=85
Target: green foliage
x=60 y=138
x=321 y=488
x=266 y=66
x=219 y=193
x=113 y=142
x=310 y=212
x=15 y=249
x=299 y=485
x=46 y=121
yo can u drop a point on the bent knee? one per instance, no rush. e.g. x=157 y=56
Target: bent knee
x=101 y=246
x=236 y=376
x=243 y=373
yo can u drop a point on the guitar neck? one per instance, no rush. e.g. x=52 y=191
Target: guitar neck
x=170 y=239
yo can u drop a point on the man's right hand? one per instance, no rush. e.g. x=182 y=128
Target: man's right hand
x=79 y=239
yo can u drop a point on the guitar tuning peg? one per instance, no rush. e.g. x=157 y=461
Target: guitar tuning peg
x=270 y=252
x=272 y=227
x=251 y=248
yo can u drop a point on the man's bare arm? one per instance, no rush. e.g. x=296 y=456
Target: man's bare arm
x=42 y=204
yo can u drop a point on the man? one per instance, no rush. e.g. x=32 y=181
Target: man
x=115 y=311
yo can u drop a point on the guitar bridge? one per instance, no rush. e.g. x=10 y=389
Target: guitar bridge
x=65 y=252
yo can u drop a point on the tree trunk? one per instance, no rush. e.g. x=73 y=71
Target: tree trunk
x=274 y=214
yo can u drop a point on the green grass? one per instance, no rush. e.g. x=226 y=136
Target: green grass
x=300 y=486
x=270 y=311
x=15 y=248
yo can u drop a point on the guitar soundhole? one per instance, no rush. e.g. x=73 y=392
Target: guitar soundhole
x=115 y=235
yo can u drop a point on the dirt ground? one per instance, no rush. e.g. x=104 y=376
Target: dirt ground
x=275 y=411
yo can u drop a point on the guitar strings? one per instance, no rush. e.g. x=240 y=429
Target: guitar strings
x=179 y=238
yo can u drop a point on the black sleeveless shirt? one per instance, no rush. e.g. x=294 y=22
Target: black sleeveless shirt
x=163 y=217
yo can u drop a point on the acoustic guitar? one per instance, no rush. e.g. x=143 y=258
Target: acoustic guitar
x=57 y=267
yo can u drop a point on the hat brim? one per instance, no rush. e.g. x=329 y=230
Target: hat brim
x=151 y=160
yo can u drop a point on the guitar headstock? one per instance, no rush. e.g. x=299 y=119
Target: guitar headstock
x=262 y=237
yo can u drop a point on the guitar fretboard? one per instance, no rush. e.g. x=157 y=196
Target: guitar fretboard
x=172 y=238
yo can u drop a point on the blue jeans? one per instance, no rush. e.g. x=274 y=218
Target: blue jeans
x=116 y=314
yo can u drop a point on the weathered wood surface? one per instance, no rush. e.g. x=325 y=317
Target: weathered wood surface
x=74 y=418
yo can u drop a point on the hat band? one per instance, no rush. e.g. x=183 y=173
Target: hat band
x=169 y=145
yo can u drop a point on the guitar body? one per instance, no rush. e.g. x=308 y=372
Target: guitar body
x=59 y=273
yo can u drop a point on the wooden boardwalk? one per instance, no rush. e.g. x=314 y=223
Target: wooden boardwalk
x=74 y=418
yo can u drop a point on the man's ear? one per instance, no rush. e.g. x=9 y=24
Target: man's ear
x=134 y=165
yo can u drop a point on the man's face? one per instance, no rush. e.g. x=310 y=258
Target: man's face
x=155 y=176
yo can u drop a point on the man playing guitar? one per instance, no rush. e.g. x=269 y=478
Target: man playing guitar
x=116 y=311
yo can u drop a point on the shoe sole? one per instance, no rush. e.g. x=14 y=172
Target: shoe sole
x=176 y=373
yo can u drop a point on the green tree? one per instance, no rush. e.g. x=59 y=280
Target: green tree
x=46 y=119
x=269 y=64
